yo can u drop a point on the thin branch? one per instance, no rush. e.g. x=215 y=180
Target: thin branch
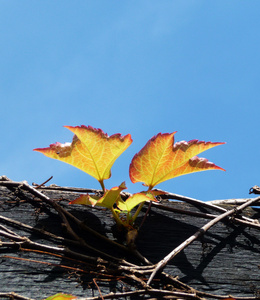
x=46 y=263
x=27 y=243
x=253 y=224
x=151 y=292
x=57 y=207
x=42 y=184
x=13 y=237
x=13 y=295
x=54 y=187
x=231 y=201
x=128 y=270
x=182 y=211
x=161 y=264
x=78 y=242
x=72 y=233
x=200 y=203
x=225 y=297
x=95 y=282
x=81 y=225
x=7 y=230
x=33 y=229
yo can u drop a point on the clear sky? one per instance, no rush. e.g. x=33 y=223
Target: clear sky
x=138 y=67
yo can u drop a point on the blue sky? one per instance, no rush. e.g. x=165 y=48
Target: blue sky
x=138 y=67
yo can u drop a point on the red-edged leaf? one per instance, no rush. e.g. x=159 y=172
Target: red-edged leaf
x=110 y=197
x=160 y=160
x=85 y=199
x=91 y=150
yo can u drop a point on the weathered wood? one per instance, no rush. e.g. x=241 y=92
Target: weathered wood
x=225 y=261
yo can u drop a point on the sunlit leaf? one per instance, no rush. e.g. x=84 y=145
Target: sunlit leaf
x=110 y=197
x=85 y=199
x=91 y=150
x=61 y=296
x=134 y=200
x=160 y=160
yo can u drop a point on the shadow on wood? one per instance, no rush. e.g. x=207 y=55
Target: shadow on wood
x=223 y=261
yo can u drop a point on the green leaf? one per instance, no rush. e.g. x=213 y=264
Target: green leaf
x=134 y=200
x=61 y=296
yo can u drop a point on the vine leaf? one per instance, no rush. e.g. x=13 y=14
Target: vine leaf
x=113 y=196
x=160 y=159
x=110 y=197
x=91 y=150
x=134 y=200
x=85 y=199
x=61 y=296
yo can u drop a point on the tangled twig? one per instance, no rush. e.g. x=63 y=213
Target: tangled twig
x=143 y=274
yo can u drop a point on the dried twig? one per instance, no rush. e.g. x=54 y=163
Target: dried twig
x=254 y=190
x=54 y=187
x=57 y=207
x=201 y=231
x=202 y=204
x=95 y=282
x=160 y=294
x=254 y=224
x=42 y=184
x=46 y=263
x=13 y=295
x=122 y=268
x=27 y=243
x=230 y=201
x=63 y=212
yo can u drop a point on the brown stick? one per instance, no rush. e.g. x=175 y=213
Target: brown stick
x=200 y=232
x=13 y=295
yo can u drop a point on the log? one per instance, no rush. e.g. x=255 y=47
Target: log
x=224 y=261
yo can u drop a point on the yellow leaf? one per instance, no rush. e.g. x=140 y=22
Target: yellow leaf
x=91 y=150
x=134 y=200
x=85 y=199
x=160 y=160
x=110 y=197
x=61 y=296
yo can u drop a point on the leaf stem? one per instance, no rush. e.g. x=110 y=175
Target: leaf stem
x=101 y=181
x=140 y=206
x=138 y=211
x=116 y=217
x=128 y=217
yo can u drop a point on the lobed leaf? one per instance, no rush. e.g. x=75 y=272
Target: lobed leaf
x=133 y=201
x=110 y=197
x=160 y=160
x=91 y=150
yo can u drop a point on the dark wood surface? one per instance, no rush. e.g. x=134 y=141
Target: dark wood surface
x=226 y=260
